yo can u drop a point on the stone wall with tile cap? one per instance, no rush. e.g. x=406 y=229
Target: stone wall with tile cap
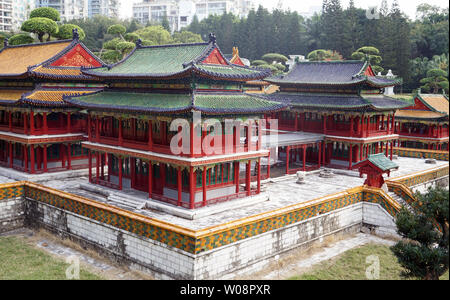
x=12 y=210
x=170 y=251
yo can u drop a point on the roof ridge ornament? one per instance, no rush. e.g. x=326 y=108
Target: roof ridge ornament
x=75 y=34
x=212 y=38
x=139 y=43
x=5 y=43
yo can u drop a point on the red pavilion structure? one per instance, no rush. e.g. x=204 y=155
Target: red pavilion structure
x=39 y=132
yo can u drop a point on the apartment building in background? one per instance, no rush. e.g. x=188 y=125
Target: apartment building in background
x=5 y=15
x=109 y=8
x=79 y=9
x=180 y=13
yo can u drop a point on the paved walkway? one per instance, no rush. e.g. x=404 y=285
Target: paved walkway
x=302 y=264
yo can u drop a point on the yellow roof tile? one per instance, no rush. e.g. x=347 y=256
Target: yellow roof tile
x=54 y=96
x=418 y=114
x=438 y=102
x=16 y=60
x=12 y=95
x=58 y=71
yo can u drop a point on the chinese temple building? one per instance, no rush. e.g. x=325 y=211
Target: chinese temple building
x=344 y=102
x=39 y=132
x=130 y=132
x=424 y=124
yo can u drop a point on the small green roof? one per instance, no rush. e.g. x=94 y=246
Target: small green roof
x=380 y=161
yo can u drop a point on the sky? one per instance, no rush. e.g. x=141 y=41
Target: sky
x=407 y=6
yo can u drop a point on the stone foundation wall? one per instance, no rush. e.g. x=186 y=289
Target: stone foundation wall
x=12 y=210
x=170 y=251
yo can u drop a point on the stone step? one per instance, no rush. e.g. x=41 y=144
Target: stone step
x=126 y=202
x=400 y=200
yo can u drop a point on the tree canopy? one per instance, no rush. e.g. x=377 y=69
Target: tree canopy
x=46 y=12
x=41 y=27
x=424 y=252
x=20 y=39
x=66 y=31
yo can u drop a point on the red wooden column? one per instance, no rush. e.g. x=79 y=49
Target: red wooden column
x=150 y=135
x=120 y=173
x=31 y=123
x=288 y=151
x=192 y=187
x=150 y=179
x=205 y=199
x=296 y=122
x=392 y=150
x=393 y=124
x=350 y=166
x=45 y=159
x=352 y=122
x=304 y=157
x=69 y=124
x=90 y=165
x=325 y=117
x=69 y=157
x=97 y=167
x=11 y=155
x=268 y=165
x=388 y=130
x=324 y=151
x=237 y=170
x=10 y=120
x=25 y=153
x=89 y=127
x=320 y=154
x=180 y=187
x=120 y=132
x=302 y=121
x=133 y=172
x=97 y=129
x=248 y=178
x=32 y=160
x=259 y=177
x=387 y=149
x=359 y=126
x=25 y=123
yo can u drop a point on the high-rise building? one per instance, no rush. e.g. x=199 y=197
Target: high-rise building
x=109 y=8
x=21 y=11
x=68 y=9
x=5 y=15
x=181 y=12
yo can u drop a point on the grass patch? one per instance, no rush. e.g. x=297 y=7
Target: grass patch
x=352 y=265
x=21 y=261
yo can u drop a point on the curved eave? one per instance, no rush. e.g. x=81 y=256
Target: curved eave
x=259 y=74
x=63 y=77
x=9 y=102
x=127 y=109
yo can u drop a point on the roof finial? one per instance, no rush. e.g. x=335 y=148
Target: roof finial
x=212 y=38
x=75 y=34
x=139 y=43
x=5 y=42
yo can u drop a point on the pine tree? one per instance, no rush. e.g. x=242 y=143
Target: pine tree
x=424 y=252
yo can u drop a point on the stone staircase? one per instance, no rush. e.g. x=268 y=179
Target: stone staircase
x=126 y=202
x=400 y=200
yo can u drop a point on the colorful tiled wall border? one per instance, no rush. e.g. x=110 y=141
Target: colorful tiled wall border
x=423 y=177
x=419 y=153
x=196 y=242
